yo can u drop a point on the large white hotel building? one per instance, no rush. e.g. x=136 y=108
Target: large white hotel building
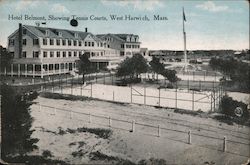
x=42 y=51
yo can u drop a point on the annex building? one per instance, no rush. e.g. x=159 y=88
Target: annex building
x=42 y=51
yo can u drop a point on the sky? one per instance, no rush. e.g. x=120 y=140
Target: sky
x=209 y=24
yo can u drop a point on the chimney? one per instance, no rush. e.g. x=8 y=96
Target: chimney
x=20 y=40
x=86 y=30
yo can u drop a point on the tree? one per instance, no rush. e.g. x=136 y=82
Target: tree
x=156 y=66
x=5 y=58
x=16 y=122
x=84 y=66
x=170 y=75
x=133 y=66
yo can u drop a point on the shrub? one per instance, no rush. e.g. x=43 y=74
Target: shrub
x=47 y=153
x=228 y=106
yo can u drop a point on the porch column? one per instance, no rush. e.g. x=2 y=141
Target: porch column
x=18 y=69
x=48 y=69
x=53 y=68
x=41 y=70
x=11 y=70
x=33 y=70
x=97 y=63
x=59 y=68
x=26 y=70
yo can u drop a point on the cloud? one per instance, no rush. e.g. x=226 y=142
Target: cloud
x=59 y=8
x=210 y=6
x=24 y=4
x=149 y=5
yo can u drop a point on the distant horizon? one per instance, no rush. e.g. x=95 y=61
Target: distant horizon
x=210 y=25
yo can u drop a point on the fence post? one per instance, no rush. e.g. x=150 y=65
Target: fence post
x=110 y=121
x=96 y=77
x=214 y=100
x=52 y=84
x=159 y=131
x=113 y=95
x=81 y=89
x=133 y=126
x=89 y=118
x=159 y=97
x=211 y=102
x=104 y=78
x=176 y=98
x=189 y=137
x=131 y=94
x=90 y=89
x=224 y=144
x=193 y=100
x=200 y=85
x=144 y=95
x=112 y=78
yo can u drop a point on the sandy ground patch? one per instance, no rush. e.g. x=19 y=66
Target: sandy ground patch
x=141 y=144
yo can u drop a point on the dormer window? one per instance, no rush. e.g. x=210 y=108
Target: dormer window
x=59 y=34
x=76 y=35
x=47 y=32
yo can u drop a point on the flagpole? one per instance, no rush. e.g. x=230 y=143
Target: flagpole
x=184 y=37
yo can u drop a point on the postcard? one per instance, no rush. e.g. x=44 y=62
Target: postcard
x=138 y=82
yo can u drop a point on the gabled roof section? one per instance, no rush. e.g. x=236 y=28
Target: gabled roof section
x=53 y=32
x=121 y=37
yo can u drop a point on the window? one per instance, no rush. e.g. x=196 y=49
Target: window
x=63 y=42
x=24 y=42
x=35 y=54
x=101 y=53
x=44 y=54
x=85 y=43
x=64 y=54
x=92 y=54
x=35 y=41
x=89 y=43
x=128 y=46
x=69 y=55
x=75 y=43
x=101 y=44
x=51 y=41
x=51 y=54
x=24 y=55
x=47 y=32
x=133 y=46
x=76 y=35
x=58 y=54
x=24 y=31
x=59 y=34
x=11 y=42
x=75 y=54
x=80 y=43
x=93 y=44
x=122 y=45
x=121 y=53
x=69 y=42
x=45 y=41
x=108 y=46
x=57 y=42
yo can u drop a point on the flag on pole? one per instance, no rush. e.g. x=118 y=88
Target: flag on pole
x=184 y=17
